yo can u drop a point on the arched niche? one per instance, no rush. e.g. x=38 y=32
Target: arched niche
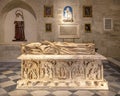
x=8 y=17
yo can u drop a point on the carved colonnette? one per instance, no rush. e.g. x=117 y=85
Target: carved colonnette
x=61 y=71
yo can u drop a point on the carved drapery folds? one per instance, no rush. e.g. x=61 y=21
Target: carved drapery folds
x=19 y=26
x=61 y=65
x=58 y=48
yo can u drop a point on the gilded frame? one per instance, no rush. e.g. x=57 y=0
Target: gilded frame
x=87 y=28
x=87 y=11
x=48 y=27
x=48 y=11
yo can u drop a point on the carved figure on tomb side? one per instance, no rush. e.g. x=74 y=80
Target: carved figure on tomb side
x=93 y=71
x=25 y=75
x=62 y=70
x=31 y=70
x=98 y=69
x=47 y=70
x=78 y=70
x=25 y=70
x=89 y=70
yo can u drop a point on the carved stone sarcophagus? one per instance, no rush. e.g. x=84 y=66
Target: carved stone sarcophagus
x=61 y=65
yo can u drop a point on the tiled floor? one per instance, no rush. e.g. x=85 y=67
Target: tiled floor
x=10 y=73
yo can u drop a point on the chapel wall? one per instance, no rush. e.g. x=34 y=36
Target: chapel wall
x=107 y=42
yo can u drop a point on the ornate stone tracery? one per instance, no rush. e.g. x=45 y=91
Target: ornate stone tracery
x=60 y=71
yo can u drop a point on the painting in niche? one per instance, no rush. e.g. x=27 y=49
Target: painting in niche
x=19 y=26
x=87 y=28
x=48 y=11
x=68 y=14
x=87 y=11
x=48 y=27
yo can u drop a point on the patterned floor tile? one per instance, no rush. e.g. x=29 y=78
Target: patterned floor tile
x=10 y=88
x=118 y=92
x=18 y=93
x=106 y=73
x=111 y=88
x=50 y=95
x=4 y=80
x=84 y=93
x=7 y=72
x=9 y=76
x=40 y=93
x=62 y=93
x=117 y=95
x=16 y=80
x=106 y=93
x=115 y=84
x=6 y=84
x=73 y=91
x=4 y=95
x=2 y=91
x=2 y=76
x=14 y=77
x=110 y=78
x=95 y=94
x=3 y=69
x=115 y=75
x=18 y=72
x=73 y=95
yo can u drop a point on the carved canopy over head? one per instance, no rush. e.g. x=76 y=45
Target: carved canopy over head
x=58 y=48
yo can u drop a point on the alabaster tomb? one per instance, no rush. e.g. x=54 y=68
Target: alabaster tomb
x=61 y=65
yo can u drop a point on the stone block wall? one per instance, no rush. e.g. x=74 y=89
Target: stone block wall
x=107 y=42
